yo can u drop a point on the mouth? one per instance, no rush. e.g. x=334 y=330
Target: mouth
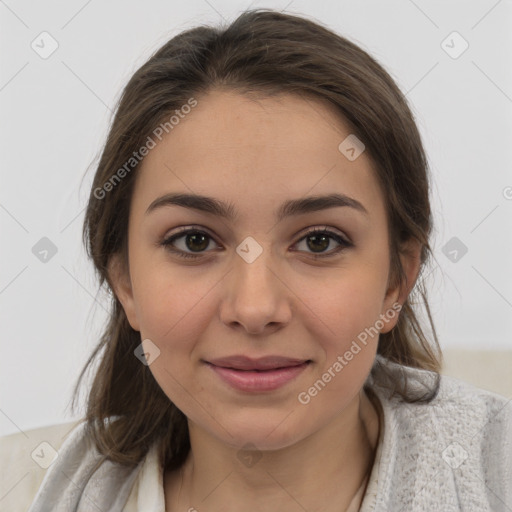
x=266 y=363
x=258 y=375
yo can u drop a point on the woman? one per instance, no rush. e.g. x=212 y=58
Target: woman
x=261 y=215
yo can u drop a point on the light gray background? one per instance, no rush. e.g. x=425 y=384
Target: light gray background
x=54 y=118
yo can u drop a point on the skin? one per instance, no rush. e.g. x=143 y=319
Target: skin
x=256 y=154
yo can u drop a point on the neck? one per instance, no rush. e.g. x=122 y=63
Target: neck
x=319 y=473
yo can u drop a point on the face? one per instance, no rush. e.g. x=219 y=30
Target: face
x=299 y=283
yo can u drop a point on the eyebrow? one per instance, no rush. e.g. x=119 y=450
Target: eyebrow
x=227 y=211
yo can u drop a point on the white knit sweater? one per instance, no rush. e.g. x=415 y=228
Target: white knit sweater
x=452 y=454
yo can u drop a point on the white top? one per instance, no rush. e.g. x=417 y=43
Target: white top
x=452 y=454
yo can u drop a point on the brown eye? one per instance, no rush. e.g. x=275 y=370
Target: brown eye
x=194 y=243
x=197 y=241
x=318 y=240
x=187 y=242
x=318 y=243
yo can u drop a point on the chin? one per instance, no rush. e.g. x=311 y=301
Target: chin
x=264 y=434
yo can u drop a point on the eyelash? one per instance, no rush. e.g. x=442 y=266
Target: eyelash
x=167 y=243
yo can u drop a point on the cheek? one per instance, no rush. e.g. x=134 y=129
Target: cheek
x=343 y=304
x=343 y=325
x=171 y=303
x=175 y=311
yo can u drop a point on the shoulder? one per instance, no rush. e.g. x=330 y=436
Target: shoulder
x=75 y=475
x=459 y=444
x=26 y=457
x=457 y=405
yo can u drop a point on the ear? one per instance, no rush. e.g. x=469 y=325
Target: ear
x=396 y=295
x=120 y=281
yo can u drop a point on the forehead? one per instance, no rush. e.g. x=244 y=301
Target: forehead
x=257 y=152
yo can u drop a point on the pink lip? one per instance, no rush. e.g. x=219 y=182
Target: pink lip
x=264 y=374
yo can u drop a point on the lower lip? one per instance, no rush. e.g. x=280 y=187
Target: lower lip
x=251 y=380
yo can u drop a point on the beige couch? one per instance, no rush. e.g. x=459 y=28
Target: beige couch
x=491 y=370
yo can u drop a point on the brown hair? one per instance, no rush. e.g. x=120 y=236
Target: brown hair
x=262 y=52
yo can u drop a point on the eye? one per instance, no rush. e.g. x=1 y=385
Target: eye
x=319 y=239
x=192 y=243
x=188 y=239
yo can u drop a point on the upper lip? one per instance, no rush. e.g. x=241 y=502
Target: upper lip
x=240 y=362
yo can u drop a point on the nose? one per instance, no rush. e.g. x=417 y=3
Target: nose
x=256 y=299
